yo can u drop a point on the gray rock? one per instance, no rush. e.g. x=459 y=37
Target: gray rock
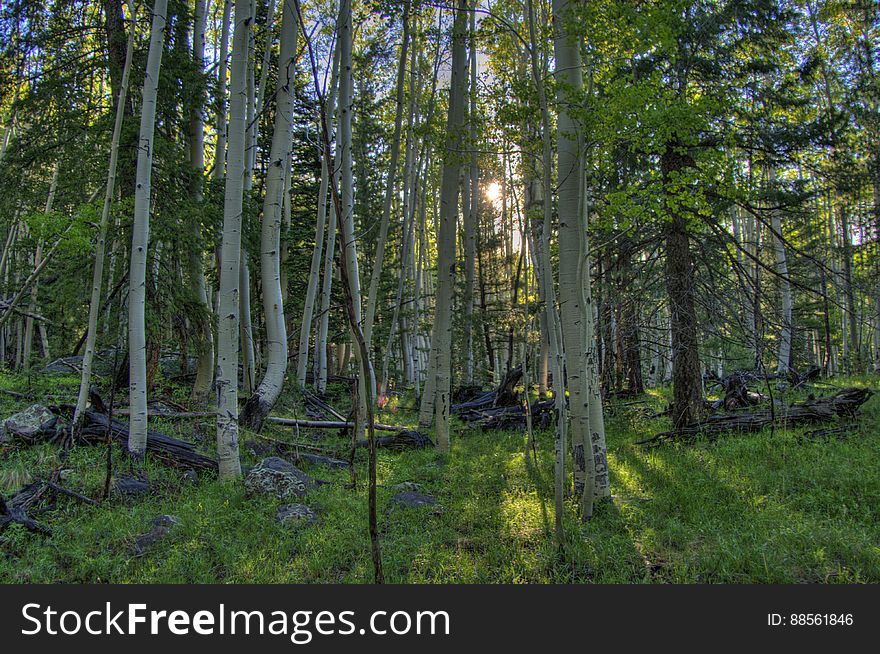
x=31 y=424
x=413 y=499
x=275 y=476
x=191 y=476
x=129 y=486
x=298 y=514
x=162 y=526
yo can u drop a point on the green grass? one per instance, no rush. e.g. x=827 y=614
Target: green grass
x=745 y=508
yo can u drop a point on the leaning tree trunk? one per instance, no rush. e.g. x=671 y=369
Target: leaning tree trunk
x=137 y=342
x=261 y=402
x=227 y=332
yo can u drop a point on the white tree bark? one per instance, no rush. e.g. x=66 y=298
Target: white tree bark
x=390 y=181
x=441 y=345
x=783 y=361
x=472 y=210
x=261 y=402
x=222 y=73
x=228 y=315
x=38 y=257
x=205 y=368
x=137 y=338
x=569 y=81
x=302 y=362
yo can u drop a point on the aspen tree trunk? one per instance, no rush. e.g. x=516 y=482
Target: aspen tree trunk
x=228 y=315
x=38 y=256
x=222 y=71
x=137 y=338
x=851 y=328
x=545 y=274
x=597 y=450
x=261 y=402
x=372 y=294
x=783 y=362
x=571 y=241
x=876 y=208
x=441 y=345
x=471 y=214
x=302 y=361
x=410 y=179
x=246 y=328
x=346 y=231
x=205 y=368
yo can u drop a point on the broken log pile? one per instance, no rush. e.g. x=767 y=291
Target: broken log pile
x=502 y=407
x=843 y=404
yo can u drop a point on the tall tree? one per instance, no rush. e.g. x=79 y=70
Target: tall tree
x=230 y=253
x=260 y=403
x=137 y=336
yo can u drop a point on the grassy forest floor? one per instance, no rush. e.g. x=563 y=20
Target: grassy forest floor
x=762 y=507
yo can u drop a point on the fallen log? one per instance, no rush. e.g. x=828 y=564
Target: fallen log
x=176 y=415
x=843 y=404
x=330 y=424
x=10 y=513
x=171 y=450
x=319 y=405
x=840 y=432
x=406 y=439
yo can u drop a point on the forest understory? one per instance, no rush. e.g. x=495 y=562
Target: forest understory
x=765 y=507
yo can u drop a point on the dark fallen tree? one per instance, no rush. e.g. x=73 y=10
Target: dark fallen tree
x=15 y=510
x=843 y=404
x=736 y=392
x=330 y=424
x=503 y=407
x=173 y=451
x=503 y=395
x=402 y=440
x=510 y=417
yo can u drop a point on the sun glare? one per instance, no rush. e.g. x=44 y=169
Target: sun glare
x=493 y=191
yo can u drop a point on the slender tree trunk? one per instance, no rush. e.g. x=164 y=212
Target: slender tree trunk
x=222 y=72
x=261 y=402
x=137 y=343
x=205 y=367
x=441 y=345
x=373 y=293
x=783 y=361
x=228 y=315
x=346 y=220
x=38 y=256
x=471 y=214
x=302 y=361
